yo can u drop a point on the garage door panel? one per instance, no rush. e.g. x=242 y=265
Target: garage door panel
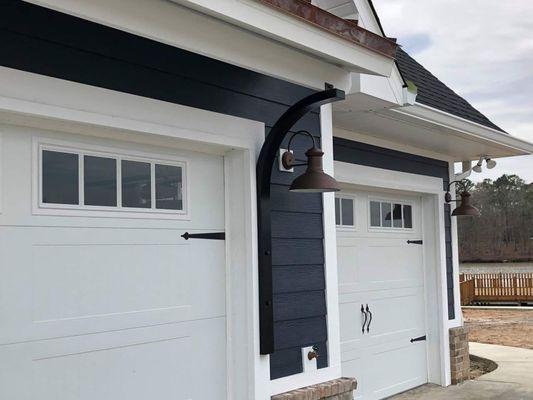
x=397 y=313
x=384 y=372
x=144 y=361
x=373 y=267
x=347 y=268
x=108 y=281
x=352 y=317
x=389 y=262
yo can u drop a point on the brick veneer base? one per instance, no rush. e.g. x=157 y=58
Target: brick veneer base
x=459 y=355
x=337 y=389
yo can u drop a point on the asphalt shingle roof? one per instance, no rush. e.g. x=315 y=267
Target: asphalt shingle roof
x=433 y=93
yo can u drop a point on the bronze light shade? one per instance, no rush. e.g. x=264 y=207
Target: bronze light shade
x=314 y=179
x=465 y=208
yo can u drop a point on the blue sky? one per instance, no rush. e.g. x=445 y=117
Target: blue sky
x=483 y=50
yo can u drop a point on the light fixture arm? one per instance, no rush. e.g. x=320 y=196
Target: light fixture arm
x=302 y=132
x=265 y=163
x=288 y=159
x=448 y=196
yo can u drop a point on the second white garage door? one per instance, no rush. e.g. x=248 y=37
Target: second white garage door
x=381 y=292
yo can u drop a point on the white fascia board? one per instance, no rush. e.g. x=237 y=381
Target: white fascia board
x=184 y=28
x=267 y=21
x=468 y=129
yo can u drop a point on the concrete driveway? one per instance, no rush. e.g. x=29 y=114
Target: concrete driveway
x=512 y=380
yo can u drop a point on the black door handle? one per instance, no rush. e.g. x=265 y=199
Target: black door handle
x=366 y=317
x=418 y=339
x=370 y=320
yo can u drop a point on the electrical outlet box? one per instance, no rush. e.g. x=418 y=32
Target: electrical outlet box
x=309 y=365
x=281 y=167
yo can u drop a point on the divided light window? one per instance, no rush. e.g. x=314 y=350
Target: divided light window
x=391 y=215
x=75 y=179
x=344 y=211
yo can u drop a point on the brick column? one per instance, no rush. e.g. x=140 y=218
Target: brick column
x=459 y=355
x=337 y=389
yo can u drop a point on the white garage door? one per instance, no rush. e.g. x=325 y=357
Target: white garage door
x=100 y=296
x=380 y=270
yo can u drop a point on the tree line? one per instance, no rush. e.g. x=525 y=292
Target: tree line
x=504 y=231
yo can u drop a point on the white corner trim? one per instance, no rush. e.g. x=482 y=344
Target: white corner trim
x=1 y=174
x=458 y=320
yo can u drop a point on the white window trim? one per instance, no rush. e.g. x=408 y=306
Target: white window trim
x=82 y=149
x=391 y=228
x=342 y=227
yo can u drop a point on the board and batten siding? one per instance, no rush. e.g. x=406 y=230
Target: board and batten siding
x=46 y=42
x=378 y=157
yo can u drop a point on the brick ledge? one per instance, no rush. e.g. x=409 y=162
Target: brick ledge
x=337 y=389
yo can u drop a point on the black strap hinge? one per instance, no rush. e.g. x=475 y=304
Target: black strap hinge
x=418 y=339
x=210 y=236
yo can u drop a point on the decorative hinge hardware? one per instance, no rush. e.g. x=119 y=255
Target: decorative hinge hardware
x=418 y=339
x=210 y=236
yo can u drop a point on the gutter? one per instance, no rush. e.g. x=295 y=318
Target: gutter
x=466 y=127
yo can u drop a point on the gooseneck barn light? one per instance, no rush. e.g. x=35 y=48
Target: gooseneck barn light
x=314 y=179
x=465 y=209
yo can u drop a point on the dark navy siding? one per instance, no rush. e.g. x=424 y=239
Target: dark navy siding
x=379 y=157
x=46 y=42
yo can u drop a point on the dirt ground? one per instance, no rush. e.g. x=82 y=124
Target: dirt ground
x=503 y=327
x=480 y=366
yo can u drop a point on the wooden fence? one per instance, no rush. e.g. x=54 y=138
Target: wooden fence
x=502 y=287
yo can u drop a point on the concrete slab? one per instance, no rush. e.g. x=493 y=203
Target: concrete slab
x=512 y=380
x=515 y=365
x=471 y=390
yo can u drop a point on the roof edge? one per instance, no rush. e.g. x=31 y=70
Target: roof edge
x=335 y=25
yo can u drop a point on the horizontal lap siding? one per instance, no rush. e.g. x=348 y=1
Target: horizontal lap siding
x=372 y=156
x=46 y=42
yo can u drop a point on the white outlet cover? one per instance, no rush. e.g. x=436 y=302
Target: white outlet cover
x=281 y=167
x=309 y=365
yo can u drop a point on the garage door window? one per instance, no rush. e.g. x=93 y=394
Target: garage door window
x=88 y=181
x=344 y=212
x=390 y=215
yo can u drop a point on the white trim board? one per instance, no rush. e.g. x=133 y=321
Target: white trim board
x=1 y=174
x=191 y=30
x=433 y=232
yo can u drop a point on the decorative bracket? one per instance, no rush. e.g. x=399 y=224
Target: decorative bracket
x=264 y=166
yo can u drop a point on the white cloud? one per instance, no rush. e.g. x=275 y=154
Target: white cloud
x=482 y=49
